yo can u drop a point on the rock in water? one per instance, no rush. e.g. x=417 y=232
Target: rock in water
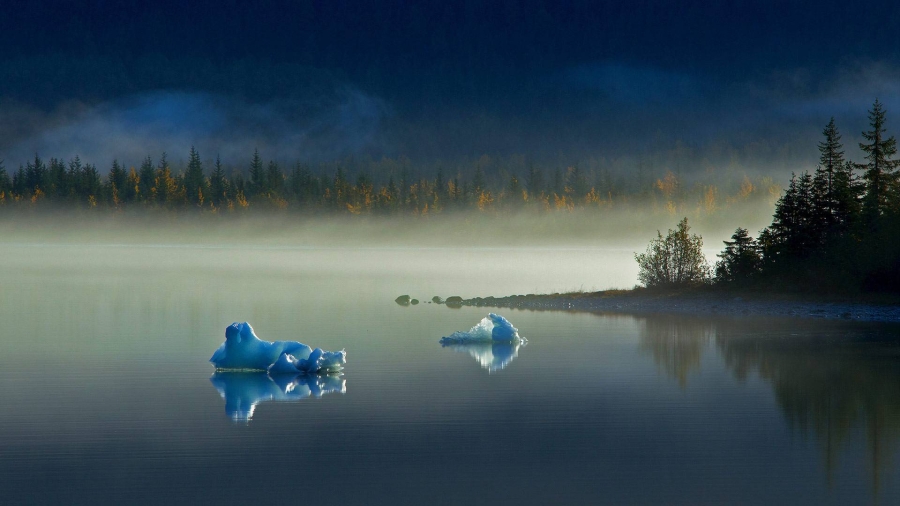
x=455 y=301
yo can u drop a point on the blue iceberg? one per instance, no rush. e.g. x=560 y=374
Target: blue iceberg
x=492 y=328
x=243 y=391
x=243 y=351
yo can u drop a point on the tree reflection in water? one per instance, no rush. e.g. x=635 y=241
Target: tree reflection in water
x=830 y=379
x=828 y=384
x=676 y=343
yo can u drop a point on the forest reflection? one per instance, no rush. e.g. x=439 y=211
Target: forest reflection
x=831 y=381
x=676 y=344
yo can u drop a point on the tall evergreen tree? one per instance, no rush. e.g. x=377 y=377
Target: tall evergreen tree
x=740 y=261
x=534 y=181
x=257 y=183
x=116 y=181
x=794 y=231
x=5 y=183
x=880 y=171
x=164 y=182
x=831 y=162
x=194 y=183
x=76 y=182
x=91 y=186
x=217 y=183
x=59 y=182
x=36 y=175
x=146 y=180
x=274 y=178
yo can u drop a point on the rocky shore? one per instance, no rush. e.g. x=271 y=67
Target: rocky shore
x=640 y=301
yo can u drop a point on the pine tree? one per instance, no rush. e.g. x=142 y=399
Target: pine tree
x=257 y=184
x=880 y=171
x=76 y=186
x=831 y=162
x=116 y=183
x=57 y=180
x=534 y=182
x=35 y=175
x=164 y=183
x=217 y=183
x=146 y=180
x=300 y=184
x=194 y=182
x=130 y=192
x=439 y=186
x=274 y=178
x=795 y=233
x=5 y=183
x=91 y=186
x=740 y=261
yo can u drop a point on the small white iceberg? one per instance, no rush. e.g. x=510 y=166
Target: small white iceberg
x=493 y=328
x=243 y=351
x=494 y=342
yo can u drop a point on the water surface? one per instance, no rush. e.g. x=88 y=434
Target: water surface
x=108 y=397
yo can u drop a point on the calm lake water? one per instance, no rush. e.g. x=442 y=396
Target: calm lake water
x=107 y=395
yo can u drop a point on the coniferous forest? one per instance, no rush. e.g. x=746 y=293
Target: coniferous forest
x=836 y=229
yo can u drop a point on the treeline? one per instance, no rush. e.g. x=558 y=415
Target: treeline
x=834 y=230
x=387 y=186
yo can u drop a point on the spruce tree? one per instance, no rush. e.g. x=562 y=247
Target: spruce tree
x=57 y=181
x=880 y=171
x=115 y=182
x=5 y=183
x=146 y=178
x=831 y=162
x=76 y=184
x=194 y=182
x=534 y=182
x=164 y=182
x=795 y=232
x=274 y=178
x=740 y=261
x=257 y=184
x=217 y=183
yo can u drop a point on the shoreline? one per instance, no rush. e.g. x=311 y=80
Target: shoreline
x=695 y=303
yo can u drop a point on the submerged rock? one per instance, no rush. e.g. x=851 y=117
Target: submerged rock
x=403 y=300
x=414 y=302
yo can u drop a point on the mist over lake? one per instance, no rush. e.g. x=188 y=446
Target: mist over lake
x=109 y=395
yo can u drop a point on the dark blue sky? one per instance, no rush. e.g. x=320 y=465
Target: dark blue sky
x=444 y=79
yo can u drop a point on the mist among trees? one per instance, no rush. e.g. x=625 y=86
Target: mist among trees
x=834 y=230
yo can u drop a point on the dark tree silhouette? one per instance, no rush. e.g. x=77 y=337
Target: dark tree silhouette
x=741 y=260
x=879 y=176
x=194 y=182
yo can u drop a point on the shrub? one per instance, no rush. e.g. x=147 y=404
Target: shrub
x=675 y=260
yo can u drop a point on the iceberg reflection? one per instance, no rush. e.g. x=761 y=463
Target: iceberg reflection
x=242 y=391
x=491 y=356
